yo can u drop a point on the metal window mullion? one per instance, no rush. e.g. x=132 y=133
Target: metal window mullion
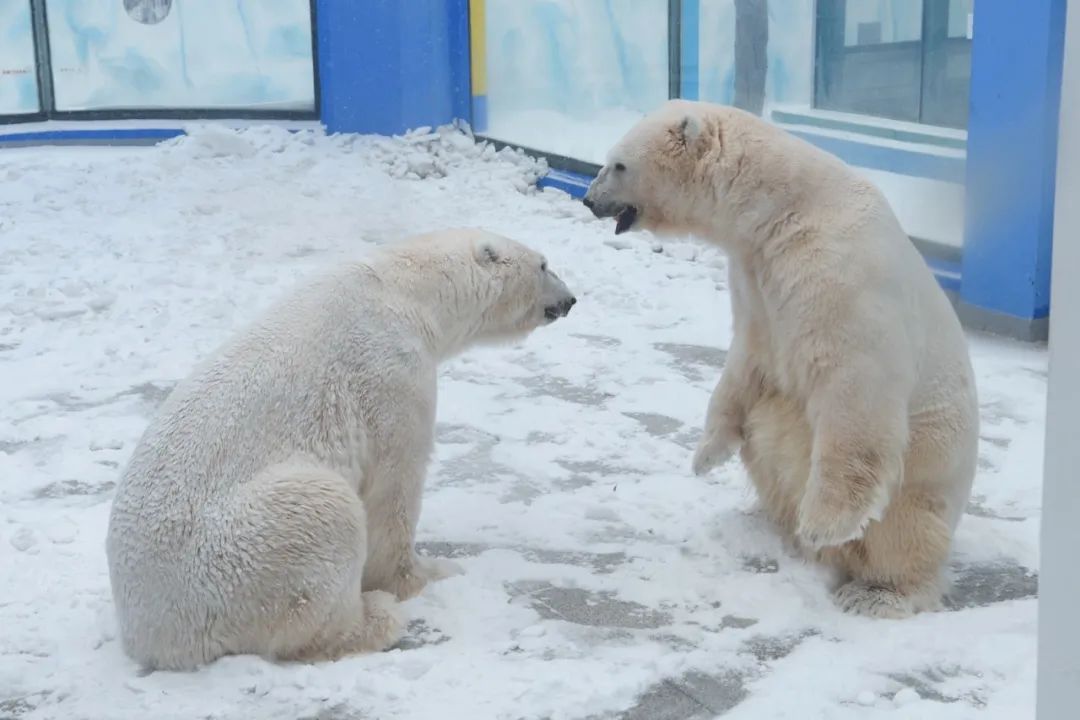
x=675 y=59
x=925 y=32
x=43 y=58
x=829 y=48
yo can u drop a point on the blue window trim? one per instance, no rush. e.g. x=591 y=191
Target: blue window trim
x=875 y=156
x=89 y=136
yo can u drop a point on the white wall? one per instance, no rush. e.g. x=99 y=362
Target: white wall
x=1059 y=577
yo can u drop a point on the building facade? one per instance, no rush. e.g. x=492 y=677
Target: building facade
x=950 y=106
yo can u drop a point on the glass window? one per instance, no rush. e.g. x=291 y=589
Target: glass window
x=251 y=54
x=753 y=53
x=570 y=77
x=18 y=77
x=903 y=59
x=871 y=22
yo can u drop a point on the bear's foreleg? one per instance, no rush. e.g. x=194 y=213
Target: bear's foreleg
x=394 y=501
x=739 y=388
x=860 y=431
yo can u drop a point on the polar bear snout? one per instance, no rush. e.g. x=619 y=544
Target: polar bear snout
x=556 y=299
x=559 y=309
x=625 y=215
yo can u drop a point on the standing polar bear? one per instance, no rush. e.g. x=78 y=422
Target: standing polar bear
x=271 y=506
x=848 y=388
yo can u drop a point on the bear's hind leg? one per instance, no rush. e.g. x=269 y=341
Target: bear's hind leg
x=293 y=548
x=369 y=623
x=896 y=569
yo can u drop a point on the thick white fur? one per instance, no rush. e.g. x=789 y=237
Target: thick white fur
x=848 y=388
x=270 y=507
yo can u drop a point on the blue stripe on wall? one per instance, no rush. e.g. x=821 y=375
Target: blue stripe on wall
x=120 y=135
x=574 y=184
x=890 y=159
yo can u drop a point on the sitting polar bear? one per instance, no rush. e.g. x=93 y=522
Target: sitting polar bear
x=271 y=506
x=848 y=387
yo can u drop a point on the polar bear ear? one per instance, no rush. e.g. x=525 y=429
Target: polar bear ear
x=487 y=253
x=688 y=132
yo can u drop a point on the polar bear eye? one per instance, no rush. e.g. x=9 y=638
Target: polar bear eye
x=619 y=167
x=543 y=266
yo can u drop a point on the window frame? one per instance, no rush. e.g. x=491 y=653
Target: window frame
x=931 y=50
x=47 y=98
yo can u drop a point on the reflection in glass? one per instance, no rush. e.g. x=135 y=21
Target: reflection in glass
x=252 y=54
x=872 y=22
x=18 y=79
x=148 y=12
x=898 y=59
x=571 y=77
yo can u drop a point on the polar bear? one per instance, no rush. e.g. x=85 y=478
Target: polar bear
x=848 y=389
x=270 y=507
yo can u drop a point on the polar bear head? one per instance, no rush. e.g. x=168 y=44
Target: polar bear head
x=680 y=170
x=523 y=292
x=484 y=287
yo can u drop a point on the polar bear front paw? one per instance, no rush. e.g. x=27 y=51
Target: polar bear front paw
x=859 y=598
x=712 y=451
x=435 y=569
x=411 y=579
x=384 y=620
x=837 y=508
x=823 y=524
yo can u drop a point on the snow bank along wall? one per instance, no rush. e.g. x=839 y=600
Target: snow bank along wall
x=949 y=105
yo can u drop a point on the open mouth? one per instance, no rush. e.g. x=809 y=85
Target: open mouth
x=625 y=219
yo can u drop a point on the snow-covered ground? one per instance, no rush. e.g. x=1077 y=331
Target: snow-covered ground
x=602 y=578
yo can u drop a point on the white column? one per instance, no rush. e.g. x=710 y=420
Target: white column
x=1059 y=577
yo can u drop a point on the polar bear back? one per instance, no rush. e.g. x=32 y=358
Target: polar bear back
x=279 y=389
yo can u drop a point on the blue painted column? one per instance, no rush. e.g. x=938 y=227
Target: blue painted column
x=386 y=66
x=1011 y=160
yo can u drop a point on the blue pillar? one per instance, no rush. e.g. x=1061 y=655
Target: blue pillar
x=386 y=66
x=1011 y=161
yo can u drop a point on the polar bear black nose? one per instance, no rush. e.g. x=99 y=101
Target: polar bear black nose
x=559 y=309
x=588 y=203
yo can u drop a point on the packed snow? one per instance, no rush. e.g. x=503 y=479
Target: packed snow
x=602 y=578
